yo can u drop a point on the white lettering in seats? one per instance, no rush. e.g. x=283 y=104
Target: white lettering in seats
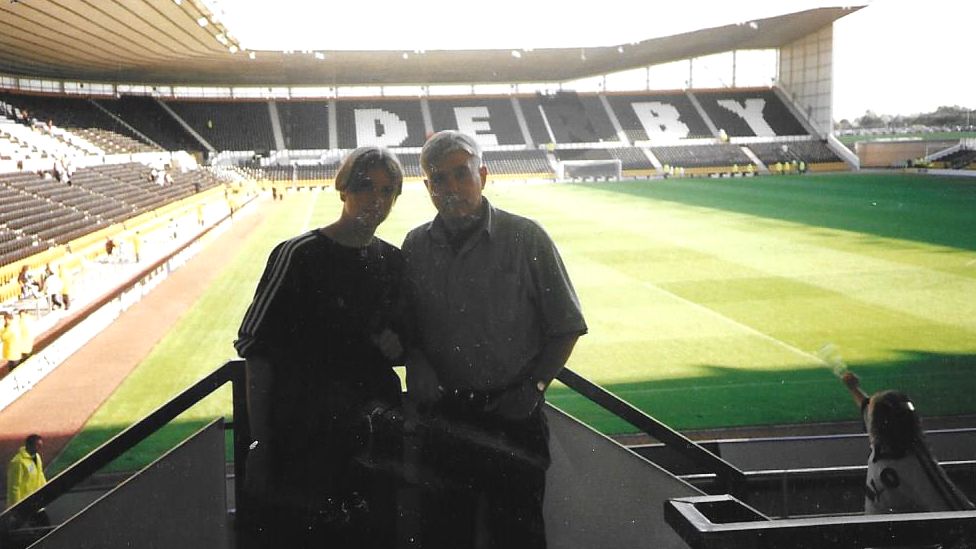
x=474 y=121
x=660 y=120
x=380 y=128
x=751 y=113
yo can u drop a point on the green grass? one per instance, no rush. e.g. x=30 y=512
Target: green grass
x=928 y=136
x=706 y=299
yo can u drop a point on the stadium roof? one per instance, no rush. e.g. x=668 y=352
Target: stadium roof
x=152 y=41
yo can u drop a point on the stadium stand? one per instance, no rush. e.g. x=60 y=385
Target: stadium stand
x=531 y=111
x=701 y=156
x=517 y=162
x=389 y=123
x=747 y=113
x=631 y=158
x=148 y=117
x=573 y=118
x=963 y=159
x=411 y=164
x=653 y=116
x=299 y=172
x=491 y=119
x=37 y=212
x=811 y=152
x=22 y=142
x=81 y=118
x=229 y=126
x=305 y=124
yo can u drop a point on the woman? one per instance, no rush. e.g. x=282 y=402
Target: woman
x=320 y=339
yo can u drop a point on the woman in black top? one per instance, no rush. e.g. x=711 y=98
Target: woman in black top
x=320 y=339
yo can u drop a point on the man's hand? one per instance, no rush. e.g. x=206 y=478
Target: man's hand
x=389 y=344
x=422 y=382
x=516 y=403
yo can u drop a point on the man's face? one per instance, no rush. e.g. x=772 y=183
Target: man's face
x=455 y=182
x=36 y=447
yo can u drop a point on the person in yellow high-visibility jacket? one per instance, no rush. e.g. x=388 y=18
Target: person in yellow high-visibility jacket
x=10 y=336
x=25 y=475
x=26 y=333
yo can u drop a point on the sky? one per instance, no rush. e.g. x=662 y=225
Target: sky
x=894 y=56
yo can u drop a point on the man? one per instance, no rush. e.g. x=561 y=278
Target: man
x=497 y=319
x=25 y=475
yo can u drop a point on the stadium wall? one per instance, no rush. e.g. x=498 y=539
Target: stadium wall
x=806 y=74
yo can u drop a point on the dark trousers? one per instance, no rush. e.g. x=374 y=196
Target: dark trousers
x=499 y=481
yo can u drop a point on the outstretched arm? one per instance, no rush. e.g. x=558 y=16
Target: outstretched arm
x=853 y=385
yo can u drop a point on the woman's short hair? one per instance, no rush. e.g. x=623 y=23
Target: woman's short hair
x=354 y=171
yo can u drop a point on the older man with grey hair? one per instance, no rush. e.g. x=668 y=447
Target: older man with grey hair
x=497 y=318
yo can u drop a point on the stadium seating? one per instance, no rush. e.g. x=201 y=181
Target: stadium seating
x=227 y=125
x=305 y=124
x=517 y=162
x=298 y=173
x=701 y=156
x=390 y=123
x=81 y=117
x=746 y=113
x=961 y=159
x=811 y=152
x=573 y=118
x=492 y=120
x=146 y=115
x=631 y=158
x=38 y=212
x=411 y=164
x=658 y=116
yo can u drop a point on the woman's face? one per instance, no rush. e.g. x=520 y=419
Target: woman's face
x=371 y=201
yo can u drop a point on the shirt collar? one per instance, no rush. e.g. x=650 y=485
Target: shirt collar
x=486 y=224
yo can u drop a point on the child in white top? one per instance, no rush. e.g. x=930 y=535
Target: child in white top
x=903 y=477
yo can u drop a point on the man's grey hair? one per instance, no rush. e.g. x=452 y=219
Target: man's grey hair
x=444 y=143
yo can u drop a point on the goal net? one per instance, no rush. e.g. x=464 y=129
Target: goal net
x=589 y=169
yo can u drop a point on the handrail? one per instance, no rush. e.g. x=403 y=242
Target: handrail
x=733 y=479
x=232 y=371
x=707 y=522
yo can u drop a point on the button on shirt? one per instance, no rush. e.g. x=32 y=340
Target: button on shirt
x=485 y=312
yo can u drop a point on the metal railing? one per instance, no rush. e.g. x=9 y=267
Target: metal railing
x=707 y=522
x=731 y=479
x=232 y=372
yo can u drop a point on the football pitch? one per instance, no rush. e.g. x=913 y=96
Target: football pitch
x=707 y=299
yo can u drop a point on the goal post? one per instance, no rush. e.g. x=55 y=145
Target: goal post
x=570 y=170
